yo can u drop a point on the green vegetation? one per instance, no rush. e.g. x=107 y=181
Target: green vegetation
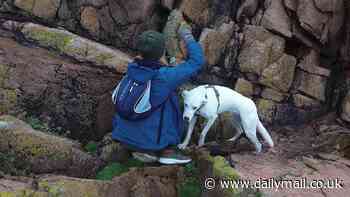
x=11 y=165
x=9 y=100
x=40 y=125
x=91 y=147
x=103 y=57
x=221 y=168
x=57 y=40
x=3 y=74
x=53 y=190
x=110 y=171
x=117 y=169
x=249 y=192
x=37 y=124
x=190 y=187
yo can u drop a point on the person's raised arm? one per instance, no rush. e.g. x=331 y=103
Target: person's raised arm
x=182 y=72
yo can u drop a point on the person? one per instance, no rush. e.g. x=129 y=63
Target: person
x=155 y=137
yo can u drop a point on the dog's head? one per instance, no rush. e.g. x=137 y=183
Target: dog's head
x=194 y=100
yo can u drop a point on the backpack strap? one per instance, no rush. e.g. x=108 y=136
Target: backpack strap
x=143 y=104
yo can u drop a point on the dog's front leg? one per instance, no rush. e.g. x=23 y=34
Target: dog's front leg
x=204 y=133
x=189 y=134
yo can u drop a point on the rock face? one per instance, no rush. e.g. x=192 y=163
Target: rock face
x=218 y=168
x=280 y=74
x=286 y=55
x=244 y=87
x=112 y=22
x=109 y=150
x=45 y=153
x=196 y=10
x=345 y=114
x=70 y=44
x=283 y=54
x=147 y=182
x=313 y=17
x=276 y=19
x=89 y=20
x=259 y=49
x=345 y=49
x=46 y=9
x=75 y=97
x=213 y=42
x=247 y=9
x=313 y=85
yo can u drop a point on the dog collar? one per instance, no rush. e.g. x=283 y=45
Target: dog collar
x=216 y=94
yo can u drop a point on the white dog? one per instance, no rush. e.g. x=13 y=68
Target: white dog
x=209 y=101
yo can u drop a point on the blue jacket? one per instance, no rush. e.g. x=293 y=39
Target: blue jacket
x=145 y=134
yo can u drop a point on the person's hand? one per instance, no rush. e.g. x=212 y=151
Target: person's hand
x=185 y=32
x=164 y=61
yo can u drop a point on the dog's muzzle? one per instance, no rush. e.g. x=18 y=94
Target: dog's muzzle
x=186 y=118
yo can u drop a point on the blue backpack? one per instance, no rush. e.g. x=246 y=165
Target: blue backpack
x=132 y=99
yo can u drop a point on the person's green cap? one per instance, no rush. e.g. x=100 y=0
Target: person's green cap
x=151 y=45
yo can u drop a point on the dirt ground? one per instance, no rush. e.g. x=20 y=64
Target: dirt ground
x=299 y=153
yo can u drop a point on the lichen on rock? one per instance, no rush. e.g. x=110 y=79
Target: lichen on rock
x=312 y=85
x=3 y=74
x=280 y=75
x=45 y=153
x=75 y=46
x=56 y=39
x=244 y=87
x=217 y=168
x=266 y=109
x=8 y=100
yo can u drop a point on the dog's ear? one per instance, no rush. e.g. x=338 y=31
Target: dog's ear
x=184 y=93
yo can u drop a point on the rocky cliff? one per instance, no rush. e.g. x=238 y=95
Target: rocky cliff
x=60 y=60
x=291 y=57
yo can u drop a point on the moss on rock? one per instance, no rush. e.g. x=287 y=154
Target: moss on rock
x=3 y=74
x=244 y=87
x=72 y=45
x=44 y=152
x=8 y=99
x=117 y=169
x=280 y=74
x=266 y=109
x=25 y=193
x=190 y=186
x=65 y=186
x=56 y=39
x=221 y=168
x=102 y=58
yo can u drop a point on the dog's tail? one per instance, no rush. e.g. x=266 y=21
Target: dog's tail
x=265 y=134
